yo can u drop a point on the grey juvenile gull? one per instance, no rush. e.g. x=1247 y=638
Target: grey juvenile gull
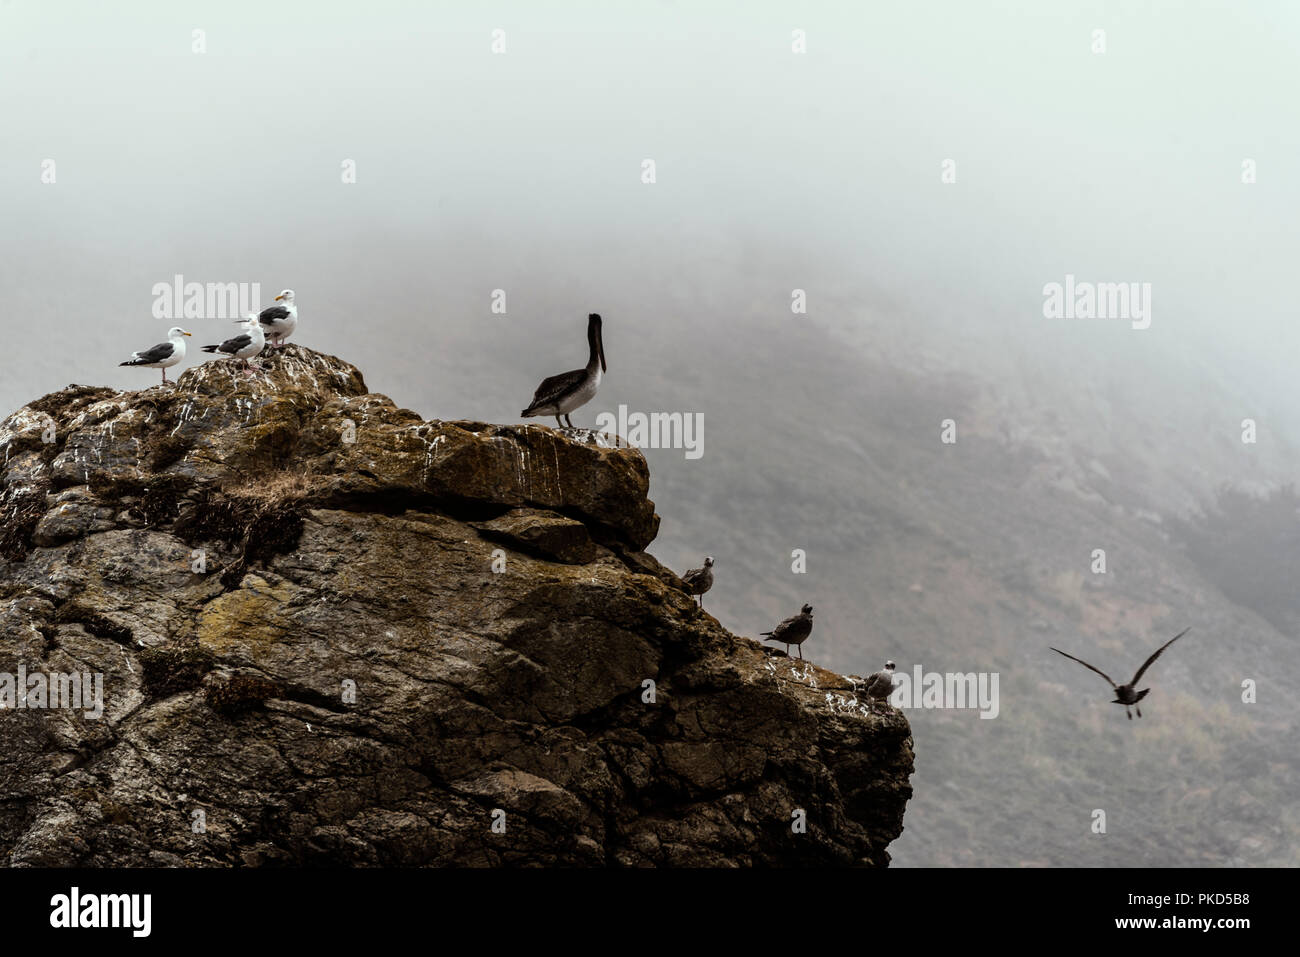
x=561 y=394
x=880 y=685
x=1127 y=694
x=700 y=580
x=793 y=631
x=162 y=356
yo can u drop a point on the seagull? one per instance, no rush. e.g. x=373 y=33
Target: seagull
x=880 y=685
x=1126 y=694
x=793 y=631
x=162 y=356
x=244 y=346
x=700 y=580
x=561 y=394
x=278 y=322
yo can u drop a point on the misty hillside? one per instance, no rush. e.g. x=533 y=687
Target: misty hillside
x=976 y=557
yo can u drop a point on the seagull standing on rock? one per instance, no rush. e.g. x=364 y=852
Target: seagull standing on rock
x=793 y=631
x=245 y=347
x=278 y=322
x=162 y=356
x=880 y=685
x=700 y=580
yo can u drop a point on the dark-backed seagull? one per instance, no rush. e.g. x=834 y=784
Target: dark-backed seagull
x=278 y=322
x=561 y=394
x=793 y=631
x=1127 y=694
x=162 y=356
x=246 y=346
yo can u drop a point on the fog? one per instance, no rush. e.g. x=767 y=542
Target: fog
x=775 y=171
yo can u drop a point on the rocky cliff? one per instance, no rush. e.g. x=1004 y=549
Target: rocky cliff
x=331 y=632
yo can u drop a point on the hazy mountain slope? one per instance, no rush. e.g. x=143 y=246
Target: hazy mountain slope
x=975 y=557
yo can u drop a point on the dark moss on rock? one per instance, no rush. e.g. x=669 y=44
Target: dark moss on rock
x=169 y=671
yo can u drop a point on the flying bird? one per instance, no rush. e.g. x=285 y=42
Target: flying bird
x=162 y=356
x=700 y=580
x=246 y=346
x=561 y=394
x=1127 y=694
x=278 y=322
x=880 y=685
x=793 y=631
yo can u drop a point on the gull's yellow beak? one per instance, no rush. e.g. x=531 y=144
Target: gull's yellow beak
x=187 y=333
x=278 y=298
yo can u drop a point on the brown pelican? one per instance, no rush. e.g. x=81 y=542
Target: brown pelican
x=278 y=322
x=1126 y=694
x=793 y=631
x=880 y=685
x=561 y=394
x=162 y=356
x=700 y=580
x=243 y=347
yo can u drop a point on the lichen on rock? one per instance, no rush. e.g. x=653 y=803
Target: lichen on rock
x=349 y=635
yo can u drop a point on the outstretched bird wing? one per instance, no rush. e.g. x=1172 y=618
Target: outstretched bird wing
x=1090 y=667
x=1138 y=677
x=556 y=387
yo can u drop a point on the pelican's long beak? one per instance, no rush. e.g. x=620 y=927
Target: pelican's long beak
x=278 y=298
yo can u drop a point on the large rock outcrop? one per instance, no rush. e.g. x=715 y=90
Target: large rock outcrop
x=331 y=632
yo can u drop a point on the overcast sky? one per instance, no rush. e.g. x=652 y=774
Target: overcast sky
x=522 y=171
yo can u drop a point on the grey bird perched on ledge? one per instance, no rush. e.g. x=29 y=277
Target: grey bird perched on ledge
x=880 y=685
x=1127 y=695
x=700 y=580
x=793 y=631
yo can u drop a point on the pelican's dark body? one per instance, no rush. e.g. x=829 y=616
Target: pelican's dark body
x=561 y=394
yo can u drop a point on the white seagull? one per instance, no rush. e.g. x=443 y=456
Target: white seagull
x=278 y=322
x=162 y=356
x=246 y=346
